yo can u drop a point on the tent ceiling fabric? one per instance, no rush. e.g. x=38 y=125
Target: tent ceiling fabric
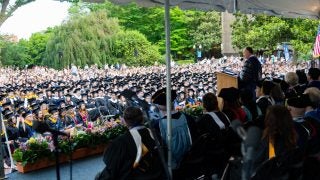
x=286 y=8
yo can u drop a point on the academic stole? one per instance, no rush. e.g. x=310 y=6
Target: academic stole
x=271 y=150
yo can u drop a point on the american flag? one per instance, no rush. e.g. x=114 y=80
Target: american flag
x=316 y=49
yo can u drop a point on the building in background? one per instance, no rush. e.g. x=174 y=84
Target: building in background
x=226 y=45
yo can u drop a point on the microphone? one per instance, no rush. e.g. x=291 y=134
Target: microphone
x=236 y=125
x=251 y=143
x=42 y=127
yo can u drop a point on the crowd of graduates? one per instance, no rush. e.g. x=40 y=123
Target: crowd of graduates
x=286 y=108
x=286 y=111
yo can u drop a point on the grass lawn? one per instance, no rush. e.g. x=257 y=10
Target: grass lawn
x=183 y=62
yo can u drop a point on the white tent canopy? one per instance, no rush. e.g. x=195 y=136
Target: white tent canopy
x=286 y=8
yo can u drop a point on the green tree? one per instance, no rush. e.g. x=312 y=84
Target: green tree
x=133 y=48
x=15 y=54
x=37 y=46
x=187 y=26
x=265 y=32
x=84 y=39
x=304 y=33
x=94 y=38
x=259 y=31
x=205 y=29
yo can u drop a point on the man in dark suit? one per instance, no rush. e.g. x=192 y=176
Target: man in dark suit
x=251 y=71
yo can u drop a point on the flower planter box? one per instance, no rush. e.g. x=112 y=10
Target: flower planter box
x=46 y=162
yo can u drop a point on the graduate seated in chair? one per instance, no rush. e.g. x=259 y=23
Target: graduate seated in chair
x=133 y=155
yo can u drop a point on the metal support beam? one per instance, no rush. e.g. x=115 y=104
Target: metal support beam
x=168 y=81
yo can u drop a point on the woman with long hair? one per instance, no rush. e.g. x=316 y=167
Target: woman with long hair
x=279 y=136
x=83 y=114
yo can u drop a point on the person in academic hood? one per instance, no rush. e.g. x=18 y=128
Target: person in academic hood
x=134 y=154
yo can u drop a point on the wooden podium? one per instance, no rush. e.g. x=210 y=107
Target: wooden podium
x=225 y=80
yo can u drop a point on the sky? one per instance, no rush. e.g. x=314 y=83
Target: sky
x=34 y=17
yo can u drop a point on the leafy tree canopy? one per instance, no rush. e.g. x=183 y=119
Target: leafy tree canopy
x=188 y=27
x=94 y=38
x=265 y=32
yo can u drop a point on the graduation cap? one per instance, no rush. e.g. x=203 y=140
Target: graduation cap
x=127 y=93
x=53 y=109
x=68 y=107
x=229 y=94
x=3 y=94
x=38 y=91
x=146 y=95
x=301 y=101
x=94 y=92
x=277 y=80
x=7 y=103
x=267 y=86
x=100 y=90
x=160 y=96
x=31 y=100
x=26 y=113
x=18 y=104
x=62 y=109
x=36 y=110
x=80 y=102
x=84 y=94
x=10 y=90
x=5 y=112
x=259 y=83
x=34 y=106
x=43 y=102
x=9 y=115
x=21 y=110
x=314 y=73
x=68 y=95
x=190 y=90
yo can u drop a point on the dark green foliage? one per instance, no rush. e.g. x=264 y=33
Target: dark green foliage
x=84 y=39
x=96 y=39
x=132 y=48
x=265 y=32
x=15 y=54
x=188 y=27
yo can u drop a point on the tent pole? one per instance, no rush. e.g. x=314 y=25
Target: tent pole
x=168 y=83
x=235 y=6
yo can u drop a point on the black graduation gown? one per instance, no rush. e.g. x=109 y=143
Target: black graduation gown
x=215 y=156
x=78 y=116
x=113 y=107
x=64 y=122
x=25 y=134
x=120 y=155
x=51 y=124
x=90 y=104
x=263 y=104
x=100 y=101
x=67 y=121
x=12 y=132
